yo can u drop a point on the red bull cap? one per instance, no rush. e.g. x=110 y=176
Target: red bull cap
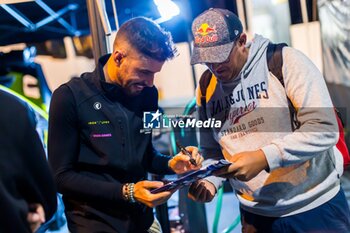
x=214 y=32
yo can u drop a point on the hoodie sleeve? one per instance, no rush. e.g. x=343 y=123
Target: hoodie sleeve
x=209 y=147
x=307 y=90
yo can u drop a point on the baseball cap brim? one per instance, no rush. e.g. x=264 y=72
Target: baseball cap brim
x=215 y=54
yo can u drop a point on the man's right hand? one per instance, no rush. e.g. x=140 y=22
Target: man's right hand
x=202 y=191
x=143 y=195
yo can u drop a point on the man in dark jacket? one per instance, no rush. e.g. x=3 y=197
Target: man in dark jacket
x=27 y=191
x=99 y=156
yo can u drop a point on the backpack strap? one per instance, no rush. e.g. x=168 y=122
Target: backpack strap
x=339 y=116
x=274 y=62
x=204 y=82
x=203 y=85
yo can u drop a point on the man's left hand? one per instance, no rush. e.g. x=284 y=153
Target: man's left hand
x=245 y=165
x=36 y=216
x=180 y=163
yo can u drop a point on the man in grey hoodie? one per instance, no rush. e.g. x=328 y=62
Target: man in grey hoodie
x=283 y=177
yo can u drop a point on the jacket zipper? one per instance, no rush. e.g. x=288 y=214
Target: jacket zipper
x=124 y=144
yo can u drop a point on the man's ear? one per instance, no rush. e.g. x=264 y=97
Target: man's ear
x=117 y=57
x=242 y=39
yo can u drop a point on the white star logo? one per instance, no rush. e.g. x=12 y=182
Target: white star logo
x=156 y=115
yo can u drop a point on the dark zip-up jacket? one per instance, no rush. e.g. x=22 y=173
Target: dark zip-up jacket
x=95 y=145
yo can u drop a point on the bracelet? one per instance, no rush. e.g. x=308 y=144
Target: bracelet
x=131 y=193
x=128 y=192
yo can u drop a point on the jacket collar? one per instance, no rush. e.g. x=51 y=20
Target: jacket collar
x=111 y=90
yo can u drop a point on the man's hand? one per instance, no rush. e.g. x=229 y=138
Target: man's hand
x=143 y=195
x=245 y=166
x=35 y=216
x=202 y=191
x=180 y=163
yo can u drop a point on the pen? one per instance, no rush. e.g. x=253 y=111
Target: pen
x=186 y=152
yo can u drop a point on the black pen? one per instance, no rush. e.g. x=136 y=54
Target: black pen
x=186 y=152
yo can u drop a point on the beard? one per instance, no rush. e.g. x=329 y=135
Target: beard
x=131 y=87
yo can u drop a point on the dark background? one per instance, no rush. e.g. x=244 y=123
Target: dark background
x=11 y=31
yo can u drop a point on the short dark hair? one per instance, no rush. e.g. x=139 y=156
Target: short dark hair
x=147 y=37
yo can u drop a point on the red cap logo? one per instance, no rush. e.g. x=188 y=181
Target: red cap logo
x=205 y=34
x=205 y=29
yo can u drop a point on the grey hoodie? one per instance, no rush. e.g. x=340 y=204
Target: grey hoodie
x=305 y=165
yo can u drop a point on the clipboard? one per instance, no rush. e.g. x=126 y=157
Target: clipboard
x=192 y=177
